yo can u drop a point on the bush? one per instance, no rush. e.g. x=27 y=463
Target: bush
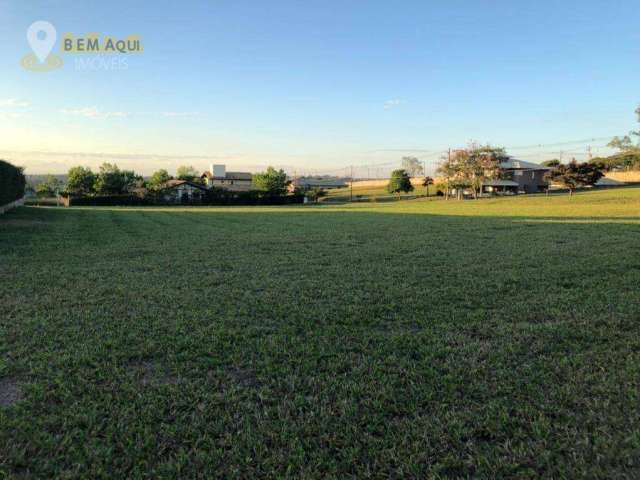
x=216 y=196
x=108 y=200
x=400 y=181
x=629 y=160
x=12 y=183
x=219 y=196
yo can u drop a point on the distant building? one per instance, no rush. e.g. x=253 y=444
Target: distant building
x=518 y=176
x=182 y=191
x=326 y=183
x=218 y=177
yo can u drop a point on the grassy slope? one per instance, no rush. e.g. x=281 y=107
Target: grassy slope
x=344 y=194
x=489 y=338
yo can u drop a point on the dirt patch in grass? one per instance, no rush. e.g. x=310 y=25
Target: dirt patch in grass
x=149 y=372
x=10 y=392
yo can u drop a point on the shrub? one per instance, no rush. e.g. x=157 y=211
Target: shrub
x=12 y=183
x=399 y=182
x=108 y=200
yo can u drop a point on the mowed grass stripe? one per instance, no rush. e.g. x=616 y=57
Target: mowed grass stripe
x=496 y=338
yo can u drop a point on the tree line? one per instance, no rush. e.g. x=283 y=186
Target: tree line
x=468 y=169
x=110 y=180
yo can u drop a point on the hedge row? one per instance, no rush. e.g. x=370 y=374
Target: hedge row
x=239 y=198
x=12 y=183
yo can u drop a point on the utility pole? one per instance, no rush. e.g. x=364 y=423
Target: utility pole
x=448 y=160
x=590 y=154
x=351 y=192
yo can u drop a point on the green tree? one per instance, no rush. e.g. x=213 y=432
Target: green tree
x=158 y=179
x=113 y=181
x=551 y=163
x=272 y=182
x=49 y=187
x=625 y=143
x=426 y=182
x=316 y=193
x=627 y=160
x=412 y=166
x=187 y=173
x=575 y=175
x=80 y=181
x=472 y=166
x=399 y=182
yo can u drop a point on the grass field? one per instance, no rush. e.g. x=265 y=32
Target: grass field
x=372 y=192
x=427 y=338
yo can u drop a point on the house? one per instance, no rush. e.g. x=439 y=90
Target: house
x=182 y=191
x=218 y=177
x=518 y=176
x=500 y=186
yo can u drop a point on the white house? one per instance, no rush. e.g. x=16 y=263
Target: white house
x=218 y=177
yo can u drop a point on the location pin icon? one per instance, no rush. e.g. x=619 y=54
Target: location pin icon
x=42 y=37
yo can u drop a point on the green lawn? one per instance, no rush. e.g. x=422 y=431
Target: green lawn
x=426 y=338
x=344 y=194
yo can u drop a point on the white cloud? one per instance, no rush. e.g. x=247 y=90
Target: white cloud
x=180 y=114
x=13 y=103
x=93 y=112
x=393 y=103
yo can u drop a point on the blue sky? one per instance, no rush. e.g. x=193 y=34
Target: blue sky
x=320 y=85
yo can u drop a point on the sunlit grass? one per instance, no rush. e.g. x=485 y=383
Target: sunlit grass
x=423 y=338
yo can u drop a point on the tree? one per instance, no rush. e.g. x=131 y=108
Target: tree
x=49 y=187
x=158 y=179
x=400 y=181
x=575 y=175
x=113 y=181
x=449 y=170
x=426 y=181
x=80 y=181
x=272 y=183
x=412 y=166
x=551 y=163
x=484 y=164
x=315 y=193
x=187 y=173
x=130 y=180
x=625 y=143
x=472 y=166
x=627 y=160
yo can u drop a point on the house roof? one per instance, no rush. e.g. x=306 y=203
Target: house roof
x=176 y=183
x=500 y=183
x=229 y=176
x=515 y=164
